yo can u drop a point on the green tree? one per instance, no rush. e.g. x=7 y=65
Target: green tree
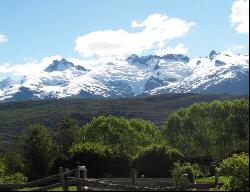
x=211 y=129
x=38 y=151
x=67 y=133
x=122 y=135
x=237 y=168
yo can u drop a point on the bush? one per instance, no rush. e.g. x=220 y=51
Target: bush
x=193 y=170
x=17 y=178
x=61 y=160
x=99 y=159
x=237 y=168
x=157 y=161
x=14 y=161
x=2 y=168
x=5 y=177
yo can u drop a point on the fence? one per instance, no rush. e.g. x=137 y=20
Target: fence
x=63 y=179
x=78 y=177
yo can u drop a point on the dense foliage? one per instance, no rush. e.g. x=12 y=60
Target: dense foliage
x=38 y=151
x=6 y=177
x=109 y=144
x=237 y=168
x=100 y=160
x=121 y=135
x=67 y=133
x=216 y=129
x=157 y=161
x=193 y=170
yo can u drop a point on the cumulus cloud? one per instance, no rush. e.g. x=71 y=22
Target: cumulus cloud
x=29 y=68
x=153 y=33
x=3 y=38
x=240 y=16
x=178 y=49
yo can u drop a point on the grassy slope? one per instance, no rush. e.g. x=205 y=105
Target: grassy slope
x=16 y=116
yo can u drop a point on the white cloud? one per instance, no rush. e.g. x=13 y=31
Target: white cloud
x=29 y=68
x=238 y=47
x=3 y=38
x=179 y=49
x=240 y=16
x=154 y=32
x=235 y=49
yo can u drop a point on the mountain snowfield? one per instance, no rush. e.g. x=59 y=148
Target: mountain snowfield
x=135 y=76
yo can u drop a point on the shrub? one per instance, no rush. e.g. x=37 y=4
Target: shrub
x=17 y=178
x=5 y=177
x=193 y=170
x=2 y=168
x=100 y=160
x=157 y=161
x=237 y=168
x=14 y=161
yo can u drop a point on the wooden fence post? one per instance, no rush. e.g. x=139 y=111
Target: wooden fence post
x=216 y=178
x=62 y=179
x=65 y=177
x=84 y=175
x=78 y=177
x=84 y=170
x=185 y=182
x=133 y=176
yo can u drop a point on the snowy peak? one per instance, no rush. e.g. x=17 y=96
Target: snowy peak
x=62 y=66
x=5 y=83
x=176 y=58
x=212 y=55
x=145 y=60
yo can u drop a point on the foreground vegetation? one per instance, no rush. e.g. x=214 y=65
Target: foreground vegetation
x=237 y=169
x=110 y=146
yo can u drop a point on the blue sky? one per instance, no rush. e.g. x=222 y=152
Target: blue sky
x=34 y=29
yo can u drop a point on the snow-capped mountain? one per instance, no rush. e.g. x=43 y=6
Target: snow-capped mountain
x=134 y=76
x=62 y=66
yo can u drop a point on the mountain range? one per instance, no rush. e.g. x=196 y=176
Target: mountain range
x=134 y=76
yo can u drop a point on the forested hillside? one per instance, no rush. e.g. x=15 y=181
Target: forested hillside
x=16 y=116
